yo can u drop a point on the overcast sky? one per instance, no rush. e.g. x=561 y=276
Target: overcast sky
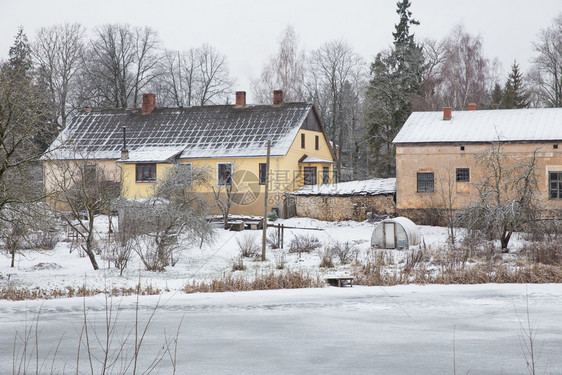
x=247 y=31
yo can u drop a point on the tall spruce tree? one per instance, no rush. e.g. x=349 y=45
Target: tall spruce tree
x=514 y=94
x=20 y=54
x=396 y=77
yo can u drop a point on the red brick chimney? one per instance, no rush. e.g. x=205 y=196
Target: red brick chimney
x=447 y=113
x=240 y=98
x=148 y=103
x=277 y=97
x=472 y=106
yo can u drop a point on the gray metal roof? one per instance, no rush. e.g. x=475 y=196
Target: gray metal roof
x=197 y=132
x=508 y=125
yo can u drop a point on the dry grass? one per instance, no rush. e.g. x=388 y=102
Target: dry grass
x=19 y=294
x=262 y=281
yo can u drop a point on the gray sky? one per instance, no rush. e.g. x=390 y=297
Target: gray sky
x=247 y=31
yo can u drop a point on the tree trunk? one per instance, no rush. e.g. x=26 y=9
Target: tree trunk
x=13 y=252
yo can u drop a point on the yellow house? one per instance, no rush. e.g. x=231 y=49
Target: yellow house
x=228 y=141
x=436 y=155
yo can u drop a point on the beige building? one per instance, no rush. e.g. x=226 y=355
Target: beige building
x=437 y=155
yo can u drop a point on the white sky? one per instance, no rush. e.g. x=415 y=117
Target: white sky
x=247 y=31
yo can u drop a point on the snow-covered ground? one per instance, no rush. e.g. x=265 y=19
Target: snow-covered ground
x=58 y=269
x=433 y=329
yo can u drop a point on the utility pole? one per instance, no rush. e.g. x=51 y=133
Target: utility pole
x=264 y=235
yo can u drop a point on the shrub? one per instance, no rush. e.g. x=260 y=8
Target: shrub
x=279 y=256
x=273 y=240
x=345 y=251
x=248 y=246
x=304 y=243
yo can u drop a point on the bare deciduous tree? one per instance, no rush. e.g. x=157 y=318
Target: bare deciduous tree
x=283 y=71
x=335 y=71
x=85 y=189
x=58 y=53
x=506 y=199
x=547 y=66
x=198 y=76
x=465 y=72
x=120 y=62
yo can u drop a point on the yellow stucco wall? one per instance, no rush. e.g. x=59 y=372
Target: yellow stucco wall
x=285 y=175
x=443 y=160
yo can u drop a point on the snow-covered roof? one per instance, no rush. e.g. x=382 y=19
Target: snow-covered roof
x=312 y=159
x=508 y=125
x=199 y=132
x=153 y=154
x=376 y=186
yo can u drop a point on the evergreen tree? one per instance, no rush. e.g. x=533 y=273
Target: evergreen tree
x=20 y=54
x=396 y=77
x=496 y=97
x=515 y=95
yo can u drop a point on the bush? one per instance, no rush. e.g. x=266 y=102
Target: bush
x=279 y=256
x=345 y=251
x=304 y=243
x=238 y=263
x=273 y=240
x=545 y=252
x=249 y=246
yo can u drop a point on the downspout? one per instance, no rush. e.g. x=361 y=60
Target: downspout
x=277 y=178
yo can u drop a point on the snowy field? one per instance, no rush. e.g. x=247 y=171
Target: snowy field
x=58 y=269
x=434 y=329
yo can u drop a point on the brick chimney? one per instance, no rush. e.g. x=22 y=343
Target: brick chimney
x=472 y=106
x=447 y=113
x=277 y=97
x=240 y=98
x=148 y=103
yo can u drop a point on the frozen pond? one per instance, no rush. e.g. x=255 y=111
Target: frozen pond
x=474 y=329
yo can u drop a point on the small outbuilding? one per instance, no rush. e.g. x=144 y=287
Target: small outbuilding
x=396 y=233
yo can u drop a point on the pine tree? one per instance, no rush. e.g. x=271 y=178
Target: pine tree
x=20 y=54
x=515 y=95
x=395 y=78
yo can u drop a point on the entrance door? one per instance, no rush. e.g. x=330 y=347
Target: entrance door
x=389 y=236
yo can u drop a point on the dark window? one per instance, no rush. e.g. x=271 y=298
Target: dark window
x=262 y=174
x=310 y=175
x=224 y=174
x=463 y=174
x=316 y=142
x=325 y=175
x=425 y=182
x=555 y=184
x=89 y=174
x=462 y=148
x=146 y=172
x=302 y=140
x=554 y=146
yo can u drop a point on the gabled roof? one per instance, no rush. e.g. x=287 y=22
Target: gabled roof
x=506 y=125
x=375 y=186
x=192 y=132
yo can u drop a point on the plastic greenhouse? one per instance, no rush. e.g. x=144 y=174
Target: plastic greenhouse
x=396 y=233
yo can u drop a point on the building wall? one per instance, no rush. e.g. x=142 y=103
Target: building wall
x=443 y=160
x=338 y=208
x=285 y=176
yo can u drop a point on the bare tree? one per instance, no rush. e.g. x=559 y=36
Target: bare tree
x=176 y=212
x=466 y=75
x=283 y=71
x=120 y=62
x=85 y=189
x=58 y=53
x=335 y=71
x=547 y=66
x=198 y=76
x=506 y=199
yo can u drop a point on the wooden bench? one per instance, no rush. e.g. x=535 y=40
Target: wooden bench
x=340 y=281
